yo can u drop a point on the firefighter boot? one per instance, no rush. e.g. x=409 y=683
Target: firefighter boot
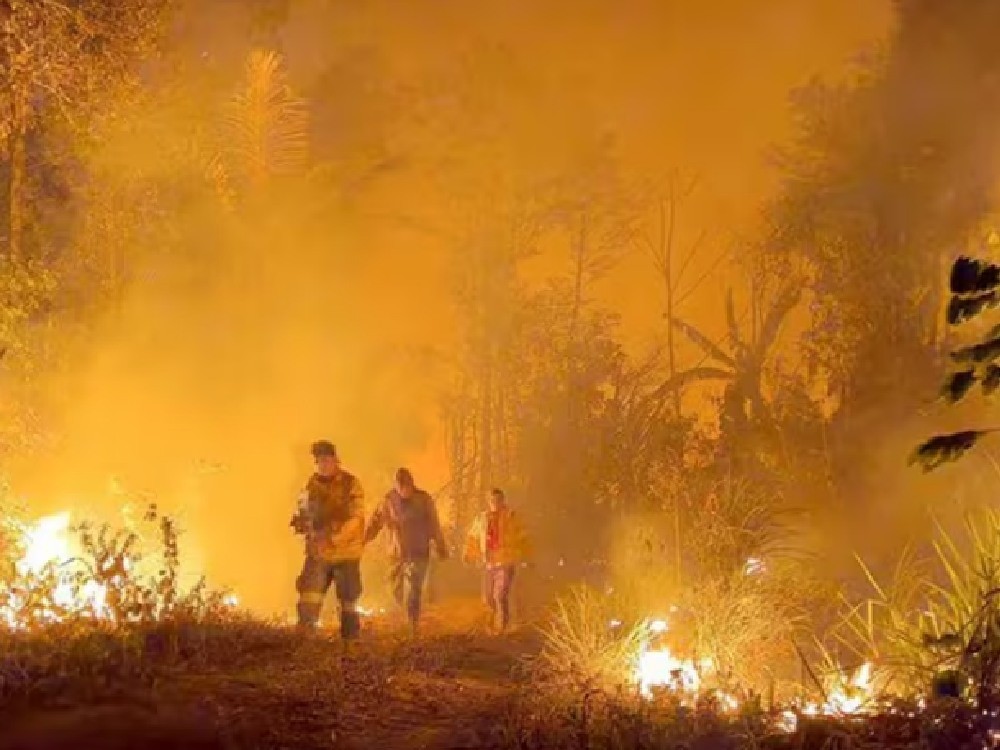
x=350 y=625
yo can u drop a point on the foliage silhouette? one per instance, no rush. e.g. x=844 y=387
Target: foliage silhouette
x=975 y=287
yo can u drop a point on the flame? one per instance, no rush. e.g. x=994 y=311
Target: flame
x=788 y=722
x=852 y=697
x=46 y=543
x=659 y=668
x=50 y=579
x=49 y=553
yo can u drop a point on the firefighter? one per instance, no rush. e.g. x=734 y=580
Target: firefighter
x=331 y=517
x=410 y=518
x=497 y=540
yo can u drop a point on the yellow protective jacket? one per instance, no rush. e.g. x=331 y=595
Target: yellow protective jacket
x=514 y=544
x=336 y=516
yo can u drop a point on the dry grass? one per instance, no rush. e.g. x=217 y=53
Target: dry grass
x=583 y=650
x=253 y=685
x=936 y=619
x=718 y=561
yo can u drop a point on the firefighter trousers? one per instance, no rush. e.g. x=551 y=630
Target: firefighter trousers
x=314 y=582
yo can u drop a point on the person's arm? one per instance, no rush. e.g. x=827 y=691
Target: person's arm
x=375 y=523
x=353 y=527
x=440 y=543
x=300 y=518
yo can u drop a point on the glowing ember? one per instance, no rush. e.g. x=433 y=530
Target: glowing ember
x=754 y=566
x=366 y=611
x=788 y=721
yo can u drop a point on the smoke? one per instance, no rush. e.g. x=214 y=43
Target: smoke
x=244 y=333
x=908 y=169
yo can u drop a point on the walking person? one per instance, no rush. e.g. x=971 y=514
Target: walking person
x=497 y=540
x=410 y=517
x=331 y=517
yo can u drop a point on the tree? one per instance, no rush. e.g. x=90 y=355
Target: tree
x=890 y=170
x=54 y=56
x=488 y=299
x=661 y=245
x=741 y=366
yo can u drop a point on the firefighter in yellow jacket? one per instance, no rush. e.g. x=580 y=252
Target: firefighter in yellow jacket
x=498 y=541
x=331 y=517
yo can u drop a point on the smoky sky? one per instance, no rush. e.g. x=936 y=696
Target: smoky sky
x=426 y=112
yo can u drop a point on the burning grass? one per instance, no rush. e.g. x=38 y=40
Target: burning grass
x=936 y=623
x=725 y=638
x=59 y=572
x=95 y=615
x=92 y=610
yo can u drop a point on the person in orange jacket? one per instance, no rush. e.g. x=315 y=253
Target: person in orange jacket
x=331 y=517
x=498 y=541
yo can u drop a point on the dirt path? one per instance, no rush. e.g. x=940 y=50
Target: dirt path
x=386 y=692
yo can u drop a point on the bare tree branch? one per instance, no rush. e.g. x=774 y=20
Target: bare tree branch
x=711 y=349
x=695 y=374
x=782 y=306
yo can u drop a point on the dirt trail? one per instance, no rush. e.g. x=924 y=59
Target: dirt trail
x=386 y=692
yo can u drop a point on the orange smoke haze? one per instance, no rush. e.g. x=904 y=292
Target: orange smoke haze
x=313 y=327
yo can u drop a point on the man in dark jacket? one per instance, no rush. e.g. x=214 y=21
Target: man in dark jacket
x=410 y=516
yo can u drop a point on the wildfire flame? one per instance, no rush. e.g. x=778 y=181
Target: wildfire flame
x=48 y=554
x=659 y=668
x=49 y=581
x=851 y=697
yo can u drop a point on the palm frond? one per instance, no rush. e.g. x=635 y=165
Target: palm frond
x=267 y=125
x=942 y=449
x=972 y=276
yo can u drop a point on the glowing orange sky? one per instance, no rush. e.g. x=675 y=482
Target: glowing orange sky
x=469 y=95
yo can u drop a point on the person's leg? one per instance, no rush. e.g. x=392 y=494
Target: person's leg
x=505 y=581
x=430 y=590
x=397 y=582
x=312 y=585
x=347 y=575
x=496 y=597
x=416 y=573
